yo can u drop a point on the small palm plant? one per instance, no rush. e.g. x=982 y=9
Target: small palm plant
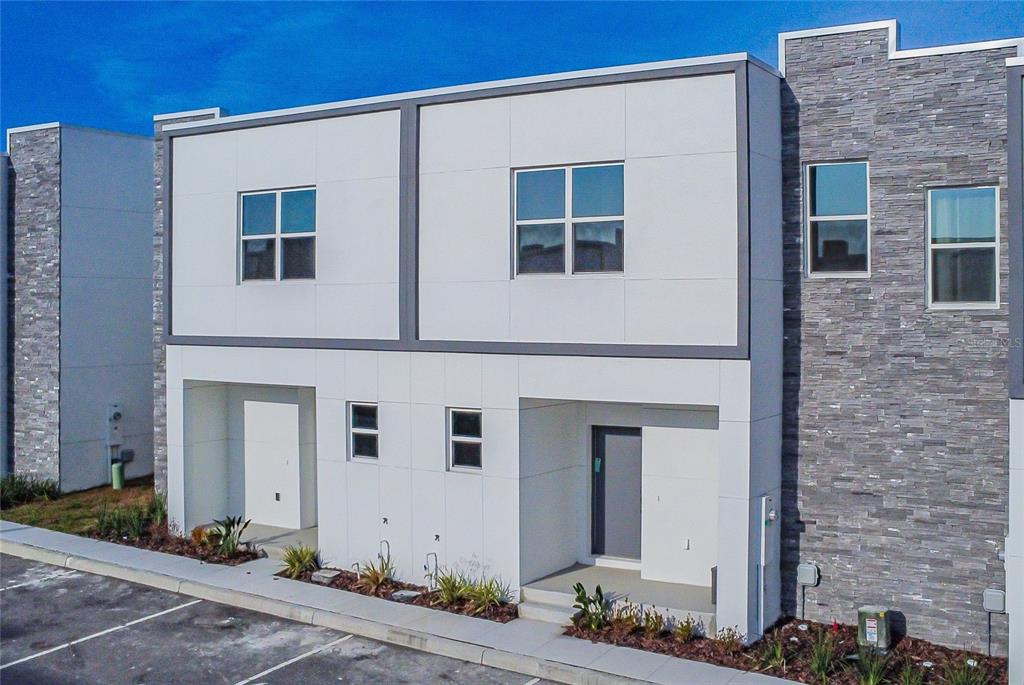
x=300 y=560
x=486 y=593
x=452 y=587
x=374 y=575
x=227 y=534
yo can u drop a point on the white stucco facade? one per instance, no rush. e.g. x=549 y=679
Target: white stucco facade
x=699 y=294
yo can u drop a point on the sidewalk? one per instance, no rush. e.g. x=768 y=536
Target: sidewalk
x=529 y=647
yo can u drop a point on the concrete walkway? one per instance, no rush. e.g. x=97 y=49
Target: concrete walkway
x=530 y=647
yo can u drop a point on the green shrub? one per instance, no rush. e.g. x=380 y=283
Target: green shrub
x=771 y=654
x=628 y=616
x=823 y=656
x=593 y=610
x=300 y=560
x=157 y=509
x=688 y=629
x=729 y=640
x=486 y=593
x=18 y=489
x=871 y=667
x=962 y=673
x=131 y=521
x=227 y=534
x=374 y=575
x=654 y=622
x=909 y=675
x=452 y=587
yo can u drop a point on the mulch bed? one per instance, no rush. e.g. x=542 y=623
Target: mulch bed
x=346 y=580
x=798 y=649
x=159 y=539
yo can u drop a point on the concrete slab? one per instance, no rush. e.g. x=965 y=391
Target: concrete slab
x=630 y=663
x=453 y=626
x=571 y=650
x=521 y=636
x=9 y=525
x=677 y=671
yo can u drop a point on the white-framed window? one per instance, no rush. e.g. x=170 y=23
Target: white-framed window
x=277 y=230
x=465 y=439
x=837 y=219
x=963 y=247
x=364 y=431
x=569 y=219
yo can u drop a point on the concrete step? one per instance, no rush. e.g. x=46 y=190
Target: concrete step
x=552 y=597
x=548 y=613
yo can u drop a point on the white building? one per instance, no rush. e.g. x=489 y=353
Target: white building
x=508 y=328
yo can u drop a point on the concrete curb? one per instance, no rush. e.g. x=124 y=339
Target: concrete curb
x=405 y=637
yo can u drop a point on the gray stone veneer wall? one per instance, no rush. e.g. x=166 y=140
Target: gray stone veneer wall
x=895 y=418
x=34 y=254
x=159 y=350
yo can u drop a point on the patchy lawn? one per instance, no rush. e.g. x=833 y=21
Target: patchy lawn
x=76 y=513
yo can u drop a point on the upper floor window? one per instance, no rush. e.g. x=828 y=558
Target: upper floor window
x=838 y=232
x=278 y=235
x=963 y=247
x=582 y=207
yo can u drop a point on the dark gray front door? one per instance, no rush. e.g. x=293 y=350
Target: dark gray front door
x=616 y=486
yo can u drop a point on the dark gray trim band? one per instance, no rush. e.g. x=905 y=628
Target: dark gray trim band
x=408 y=304
x=408 y=241
x=470 y=347
x=1015 y=190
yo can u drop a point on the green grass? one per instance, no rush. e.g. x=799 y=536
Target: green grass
x=77 y=512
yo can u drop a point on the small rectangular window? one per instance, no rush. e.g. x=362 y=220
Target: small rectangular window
x=838 y=230
x=465 y=438
x=963 y=247
x=363 y=430
x=278 y=235
x=570 y=219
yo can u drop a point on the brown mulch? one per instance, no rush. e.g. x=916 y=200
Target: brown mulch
x=159 y=539
x=346 y=580
x=798 y=652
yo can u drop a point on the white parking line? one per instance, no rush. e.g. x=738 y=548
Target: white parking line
x=532 y=681
x=292 y=661
x=51 y=650
x=38 y=580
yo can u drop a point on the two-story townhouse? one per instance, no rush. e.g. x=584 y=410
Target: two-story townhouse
x=510 y=328
x=678 y=326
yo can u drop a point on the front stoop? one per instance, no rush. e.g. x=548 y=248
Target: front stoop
x=547 y=606
x=533 y=648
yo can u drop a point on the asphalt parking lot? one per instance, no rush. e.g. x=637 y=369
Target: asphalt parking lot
x=60 y=626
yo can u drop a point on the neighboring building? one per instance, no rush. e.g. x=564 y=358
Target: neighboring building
x=1015 y=538
x=590 y=325
x=79 y=242
x=896 y=431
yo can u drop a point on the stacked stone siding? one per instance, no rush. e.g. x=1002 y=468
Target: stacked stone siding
x=895 y=417
x=34 y=254
x=159 y=349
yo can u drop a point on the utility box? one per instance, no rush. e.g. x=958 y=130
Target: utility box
x=873 y=628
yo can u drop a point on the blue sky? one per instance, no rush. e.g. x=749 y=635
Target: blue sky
x=114 y=65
